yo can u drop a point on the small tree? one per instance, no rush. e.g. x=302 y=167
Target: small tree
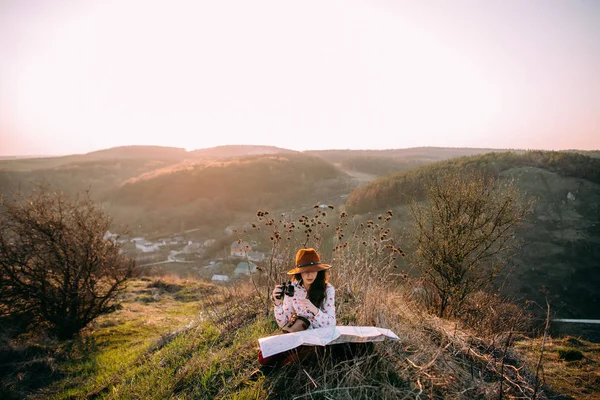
x=465 y=233
x=56 y=268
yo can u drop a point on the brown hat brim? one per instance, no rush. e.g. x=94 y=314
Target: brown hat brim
x=309 y=268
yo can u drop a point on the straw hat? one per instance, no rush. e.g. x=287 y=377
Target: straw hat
x=308 y=260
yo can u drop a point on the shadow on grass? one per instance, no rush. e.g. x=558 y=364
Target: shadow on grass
x=29 y=368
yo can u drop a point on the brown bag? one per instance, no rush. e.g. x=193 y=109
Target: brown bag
x=296 y=325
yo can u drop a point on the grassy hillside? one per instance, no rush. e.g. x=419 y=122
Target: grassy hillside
x=105 y=170
x=145 y=152
x=186 y=339
x=151 y=188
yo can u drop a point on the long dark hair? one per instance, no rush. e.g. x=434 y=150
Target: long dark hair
x=316 y=293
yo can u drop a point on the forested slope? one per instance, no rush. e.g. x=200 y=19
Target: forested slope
x=400 y=188
x=561 y=240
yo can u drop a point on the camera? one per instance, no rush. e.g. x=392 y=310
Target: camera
x=287 y=290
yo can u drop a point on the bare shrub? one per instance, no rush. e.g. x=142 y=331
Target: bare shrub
x=465 y=233
x=55 y=265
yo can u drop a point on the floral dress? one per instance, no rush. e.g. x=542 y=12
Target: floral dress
x=290 y=307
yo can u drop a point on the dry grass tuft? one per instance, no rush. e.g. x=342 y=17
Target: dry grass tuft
x=231 y=307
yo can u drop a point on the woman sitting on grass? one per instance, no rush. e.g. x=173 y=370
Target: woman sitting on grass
x=313 y=302
x=312 y=305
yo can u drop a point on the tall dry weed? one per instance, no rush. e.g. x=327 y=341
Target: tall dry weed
x=362 y=251
x=231 y=306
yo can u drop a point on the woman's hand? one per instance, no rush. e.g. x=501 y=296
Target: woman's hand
x=277 y=295
x=305 y=304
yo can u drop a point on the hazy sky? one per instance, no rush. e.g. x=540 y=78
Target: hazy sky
x=78 y=76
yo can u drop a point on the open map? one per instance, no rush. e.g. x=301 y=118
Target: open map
x=323 y=336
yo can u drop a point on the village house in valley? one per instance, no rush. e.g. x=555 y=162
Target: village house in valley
x=245 y=268
x=240 y=248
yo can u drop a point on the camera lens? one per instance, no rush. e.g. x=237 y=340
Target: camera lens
x=289 y=290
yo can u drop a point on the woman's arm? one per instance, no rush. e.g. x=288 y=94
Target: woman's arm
x=283 y=311
x=326 y=315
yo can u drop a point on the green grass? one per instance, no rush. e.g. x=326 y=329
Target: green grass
x=160 y=349
x=179 y=349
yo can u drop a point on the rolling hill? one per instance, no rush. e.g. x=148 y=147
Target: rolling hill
x=213 y=193
x=239 y=184
x=105 y=170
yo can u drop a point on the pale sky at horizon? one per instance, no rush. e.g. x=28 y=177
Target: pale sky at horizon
x=79 y=76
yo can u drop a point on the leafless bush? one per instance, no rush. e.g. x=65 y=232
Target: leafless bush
x=465 y=234
x=55 y=265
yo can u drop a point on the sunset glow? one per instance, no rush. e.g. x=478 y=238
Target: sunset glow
x=82 y=76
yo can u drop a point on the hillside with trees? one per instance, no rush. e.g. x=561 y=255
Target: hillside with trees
x=400 y=188
x=383 y=162
x=114 y=153
x=105 y=170
x=559 y=250
x=101 y=175
x=429 y=154
x=213 y=192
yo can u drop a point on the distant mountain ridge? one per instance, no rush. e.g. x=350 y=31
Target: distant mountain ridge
x=160 y=152
x=237 y=151
x=429 y=154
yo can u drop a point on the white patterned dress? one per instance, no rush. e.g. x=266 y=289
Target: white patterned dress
x=290 y=307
